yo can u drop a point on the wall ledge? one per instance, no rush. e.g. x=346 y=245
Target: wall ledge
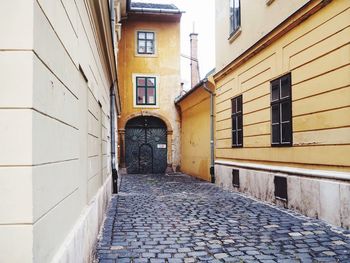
x=322 y=174
x=295 y=19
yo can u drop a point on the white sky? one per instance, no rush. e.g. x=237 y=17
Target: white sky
x=201 y=13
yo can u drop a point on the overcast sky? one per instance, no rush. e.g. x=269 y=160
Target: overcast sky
x=201 y=13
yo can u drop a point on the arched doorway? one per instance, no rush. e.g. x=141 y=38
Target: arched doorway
x=145 y=145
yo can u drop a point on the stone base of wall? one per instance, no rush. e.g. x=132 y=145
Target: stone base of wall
x=80 y=243
x=313 y=196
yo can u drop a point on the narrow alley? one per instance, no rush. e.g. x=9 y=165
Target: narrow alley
x=174 y=131
x=176 y=218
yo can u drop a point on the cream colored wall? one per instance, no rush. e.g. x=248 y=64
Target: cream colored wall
x=317 y=53
x=16 y=216
x=195 y=134
x=257 y=19
x=165 y=64
x=55 y=146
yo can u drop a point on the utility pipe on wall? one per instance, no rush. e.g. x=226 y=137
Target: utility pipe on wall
x=113 y=107
x=212 y=171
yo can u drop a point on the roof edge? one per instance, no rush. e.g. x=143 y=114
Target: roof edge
x=197 y=86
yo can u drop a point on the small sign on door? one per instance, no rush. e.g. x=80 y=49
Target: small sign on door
x=161 y=146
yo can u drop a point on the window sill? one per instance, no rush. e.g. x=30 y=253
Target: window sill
x=235 y=34
x=146 y=55
x=282 y=145
x=281 y=199
x=146 y=106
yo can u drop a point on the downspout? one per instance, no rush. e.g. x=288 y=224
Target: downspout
x=112 y=113
x=212 y=170
x=113 y=107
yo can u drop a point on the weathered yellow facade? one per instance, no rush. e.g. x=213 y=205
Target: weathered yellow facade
x=195 y=132
x=164 y=65
x=313 y=45
x=317 y=53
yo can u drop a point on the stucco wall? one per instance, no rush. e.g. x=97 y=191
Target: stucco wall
x=165 y=65
x=195 y=134
x=317 y=53
x=257 y=19
x=55 y=141
x=313 y=196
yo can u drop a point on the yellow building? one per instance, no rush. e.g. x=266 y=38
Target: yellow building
x=149 y=74
x=195 y=114
x=283 y=103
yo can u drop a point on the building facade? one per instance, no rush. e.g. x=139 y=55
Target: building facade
x=195 y=114
x=58 y=73
x=282 y=97
x=149 y=70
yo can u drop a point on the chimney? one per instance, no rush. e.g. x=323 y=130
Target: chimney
x=194 y=59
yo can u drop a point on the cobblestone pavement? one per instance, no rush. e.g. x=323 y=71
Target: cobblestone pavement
x=180 y=219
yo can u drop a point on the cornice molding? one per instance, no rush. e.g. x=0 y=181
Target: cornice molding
x=294 y=171
x=287 y=25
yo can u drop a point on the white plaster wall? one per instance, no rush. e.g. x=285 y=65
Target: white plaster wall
x=16 y=243
x=76 y=248
x=257 y=19
x=16 y=65
x=320 y=198
x=55 y=136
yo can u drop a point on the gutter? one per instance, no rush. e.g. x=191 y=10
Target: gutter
x=114 y=106
x=112 y=18
x=212 y=170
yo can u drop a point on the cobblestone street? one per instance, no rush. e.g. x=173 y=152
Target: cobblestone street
x=177 y=218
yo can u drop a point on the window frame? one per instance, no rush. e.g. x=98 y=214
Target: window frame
x=281 y=188
x=235 y=114
x=232 y=17
x=278 y=103
x=146 y=87
x=235 y=178
x=138 y=39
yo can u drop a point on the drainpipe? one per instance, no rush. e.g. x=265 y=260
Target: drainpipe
x=113 y=106
x=212 y=171
x=114 y=169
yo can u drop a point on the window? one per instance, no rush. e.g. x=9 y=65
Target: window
x=281 y=112
x=235 y=16
x=145 y=91
x=237 y=122
x=145 y=42
x=235 y=178
x=281 y=190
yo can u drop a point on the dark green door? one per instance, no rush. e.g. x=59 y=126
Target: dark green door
x=146 y=146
